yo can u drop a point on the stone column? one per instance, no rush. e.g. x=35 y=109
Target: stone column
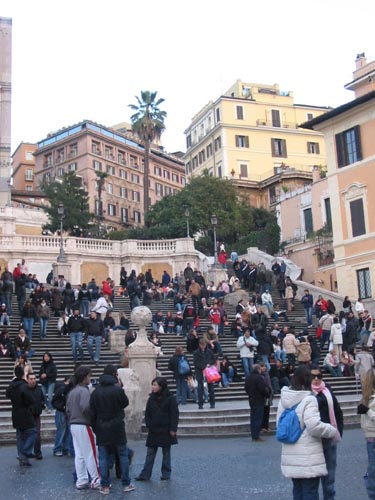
x=62 y=269
x=142 y=360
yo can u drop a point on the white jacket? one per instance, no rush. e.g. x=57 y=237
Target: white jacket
x=101 y=306
x=336 y=334
x=243 y=345
x=368 y=420
x=290 y=343
x=305 y=458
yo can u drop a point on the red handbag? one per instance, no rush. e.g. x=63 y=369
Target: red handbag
x=212 y=375
x=319 y=332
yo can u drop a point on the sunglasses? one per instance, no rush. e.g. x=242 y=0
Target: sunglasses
x=319 y=375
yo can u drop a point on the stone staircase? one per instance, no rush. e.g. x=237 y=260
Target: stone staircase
x=231 y=416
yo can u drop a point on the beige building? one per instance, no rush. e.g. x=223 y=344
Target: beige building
x=87 y=148
x=251 y=134
x=5 y=107
x=23 y=167
x=349 y=132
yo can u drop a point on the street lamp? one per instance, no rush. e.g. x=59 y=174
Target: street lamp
x=187 y=215
x=214 y=223
x=60 y=212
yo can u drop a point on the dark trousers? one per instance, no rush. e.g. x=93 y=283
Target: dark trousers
x=328 y=481
x=256 y=419
x=166 y=468
x=211 y=393
x=306 y=489
x=266 y=417
x=38 y=439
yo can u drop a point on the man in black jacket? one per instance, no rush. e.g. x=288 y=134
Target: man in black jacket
x=204 y=357
x=95 y=333
x=36 y=410
x=351 y=333
x=22 y=418
x=258 y=391
x=107 y=404
x=76 y=328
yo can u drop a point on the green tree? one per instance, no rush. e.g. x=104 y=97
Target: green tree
x=101 y=177
x=74 y=197
x=148 y=125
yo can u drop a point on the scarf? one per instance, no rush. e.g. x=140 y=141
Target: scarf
x=320 y=387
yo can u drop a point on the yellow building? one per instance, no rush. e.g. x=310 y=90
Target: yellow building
x=251 y=133
x=349 y=135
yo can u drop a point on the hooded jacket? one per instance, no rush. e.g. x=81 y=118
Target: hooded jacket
x=304 y=459
x=336 y=334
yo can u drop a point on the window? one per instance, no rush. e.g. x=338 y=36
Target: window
x=158 y=189
x=175 y=178
x=166 y=174
x=217 y=143
x=307 y=215
x=364 y=283
x=73 y=150
x=239 y=112
x=124 y=214
x=358 y=217
x=109 y=188
x=313 y=148
x=60 y=172
x=60 y=155
x=220 y=171
x=121 y=157
x=348 y=147
x=133 y=161
x=195 y=162
x=135 y=178
x=309 y=116
x=97 y=165
x=111 y=209
x=123 y=192
x=136 y=196
x=327 y=205
x=123 y=174
x=209 y=150
x=137 y=216
x=72 y=167
x=243 y=170
x=188 y=141
x=108 y=153
x=110 y=170
x=157 y=171
x=217 y=115
x=29 y=174
x=183 y=180
x=29 y=156
x=98 y=208
x=167 y=190
x=28 y=187
x=242 y=141
x=95 y=148
x=48 y=160
x=275 y=116
x=272 y=194
x=201 y=156
x=279 y=148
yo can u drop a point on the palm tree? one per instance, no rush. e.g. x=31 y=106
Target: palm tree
x=100 y=177
x=148 y=125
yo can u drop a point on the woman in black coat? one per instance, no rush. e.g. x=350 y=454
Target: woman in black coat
x=47 y=378
x=161 y=419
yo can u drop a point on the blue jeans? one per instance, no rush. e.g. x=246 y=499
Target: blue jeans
x=280 y=355
x=328 y=482
x=264 y=358
x=48 y=390
x=25 y=442
x=324 y=338
x=76 y=343
x=63 y=438
x=308 y=314
x=227 y=378
x=43 y=327
x=181 y=390
x=256 y=419
x=28 y=323
x=306 y=489
x=149 y=463
x=370 y=484
x=106 y=458
x=247 y=364
x=85 y=305
x=98 y=343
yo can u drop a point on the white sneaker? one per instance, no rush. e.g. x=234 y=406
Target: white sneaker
x=128 y=488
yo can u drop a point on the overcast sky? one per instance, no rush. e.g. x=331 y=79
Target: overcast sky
x=87 y=59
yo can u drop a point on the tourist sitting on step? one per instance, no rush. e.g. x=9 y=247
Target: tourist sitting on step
x=158 y=322
x=156 y=342
x=227 y=371
x=277 y=313
x=6 y=345
x=348 y=364
x=22 y=344
x=26 y=365
x=109 y=324
x=178 y=323
x=331 y=363
x=236 y=327
x=212 y=340
x=278 y=376
x=169 y=323
x=4 y=316
x=62 y=324
x=279 y=351
x=192 y=341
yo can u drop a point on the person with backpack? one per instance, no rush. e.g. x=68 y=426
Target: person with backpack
x=63 y=439
x=300 y=429
x=179 y=365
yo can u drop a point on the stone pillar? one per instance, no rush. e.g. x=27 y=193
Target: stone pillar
x=142 y=360
x=62 y=269
x=134 y=412
x=216 y=274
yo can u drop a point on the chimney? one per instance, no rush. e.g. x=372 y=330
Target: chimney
x=360 y=61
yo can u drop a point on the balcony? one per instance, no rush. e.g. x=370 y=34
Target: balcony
x=269 y=123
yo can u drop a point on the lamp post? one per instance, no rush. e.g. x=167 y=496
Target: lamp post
x=60 y=212
x=187 y=215
x=214 y=224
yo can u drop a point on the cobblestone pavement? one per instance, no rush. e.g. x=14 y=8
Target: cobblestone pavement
x=204 y=469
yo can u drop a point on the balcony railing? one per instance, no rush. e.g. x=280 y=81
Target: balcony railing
x=270 y=123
